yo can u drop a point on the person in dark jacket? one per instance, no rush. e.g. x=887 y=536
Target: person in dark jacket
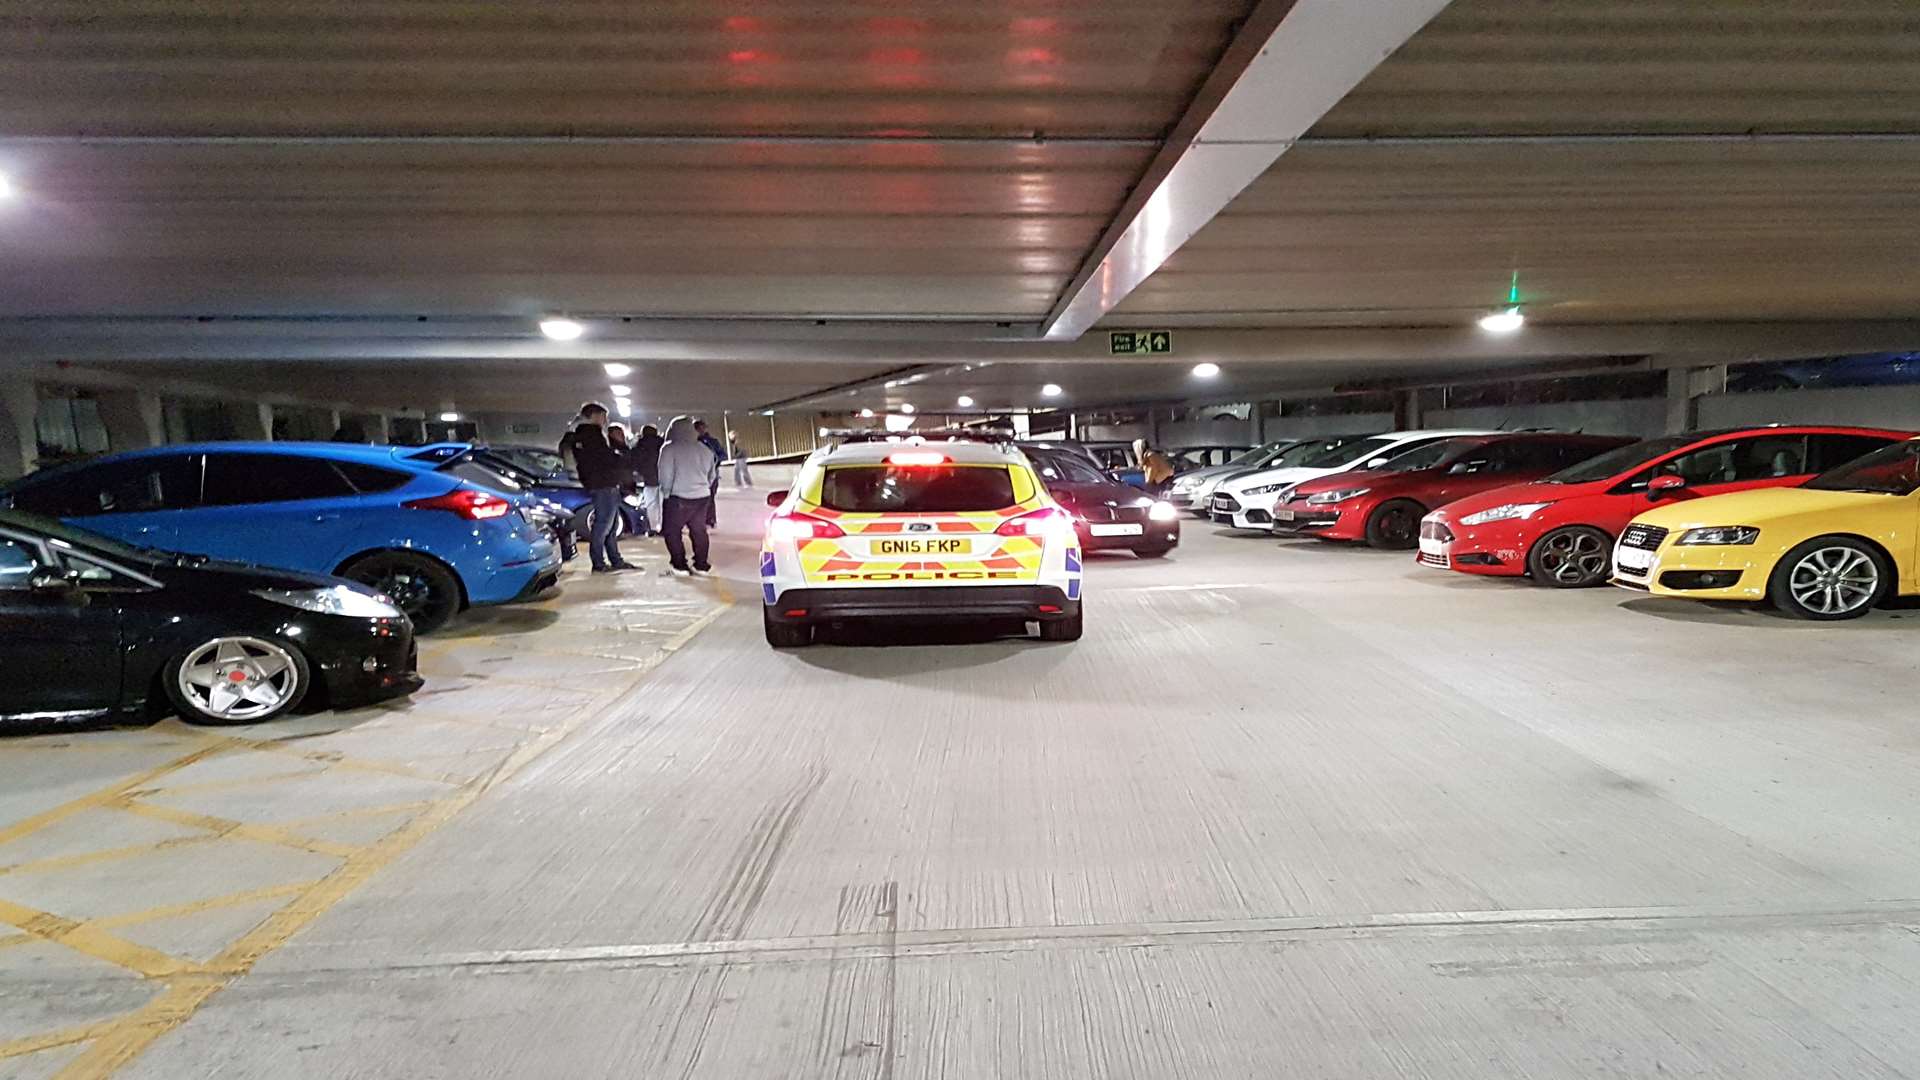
x=646 y=465
x=601 y=472
x=719 y=455
x=632 y=513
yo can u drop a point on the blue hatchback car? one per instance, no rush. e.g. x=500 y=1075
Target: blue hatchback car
x=432 y=540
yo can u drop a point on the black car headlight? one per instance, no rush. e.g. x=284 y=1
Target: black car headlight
x=334 y=600
x=1720 y=535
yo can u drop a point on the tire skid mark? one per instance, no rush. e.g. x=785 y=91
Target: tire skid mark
x=726 y=916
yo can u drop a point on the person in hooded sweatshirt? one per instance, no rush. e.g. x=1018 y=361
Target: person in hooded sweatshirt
x=688 y=475
x=602 y=470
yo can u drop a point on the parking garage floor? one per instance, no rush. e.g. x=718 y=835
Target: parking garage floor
x=1288 y=809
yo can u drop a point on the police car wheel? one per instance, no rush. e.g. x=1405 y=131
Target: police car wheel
x=1067 y=629
x=786 y=635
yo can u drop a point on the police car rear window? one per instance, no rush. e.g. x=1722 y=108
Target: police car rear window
x=916 y=489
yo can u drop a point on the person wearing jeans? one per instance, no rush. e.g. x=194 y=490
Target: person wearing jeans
x=646 y=464
x=602 y=470
x=689 y=472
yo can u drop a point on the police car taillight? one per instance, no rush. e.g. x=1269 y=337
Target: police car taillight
x=802 y=527
x=1037 y=523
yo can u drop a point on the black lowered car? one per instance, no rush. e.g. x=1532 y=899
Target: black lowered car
x=91 y=628
x=1107 y=513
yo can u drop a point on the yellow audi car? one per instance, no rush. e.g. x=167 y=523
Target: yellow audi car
x=1831 y=548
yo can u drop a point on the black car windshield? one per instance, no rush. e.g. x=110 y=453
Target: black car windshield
x=104 y=546
x=1614 y=462
x=1066 y=468
x=1890 y=470
x=916 y=489
x=1431 y=455
x=1327 y=453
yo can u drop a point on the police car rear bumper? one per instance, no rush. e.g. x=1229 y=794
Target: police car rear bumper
x=1041 y=602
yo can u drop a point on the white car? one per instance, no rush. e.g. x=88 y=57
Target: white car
x=1246 y=501
x=918 y=530
x=1192 y=491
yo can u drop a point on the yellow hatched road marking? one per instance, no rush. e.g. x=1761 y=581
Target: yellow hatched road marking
x=64 y=862
x=194 y=907
x=93 y=941
x=132 y=1034
x=139 y=780
x=225 y=827
x=49 y=1040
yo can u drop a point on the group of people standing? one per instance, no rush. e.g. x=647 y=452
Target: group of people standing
x=675 y=476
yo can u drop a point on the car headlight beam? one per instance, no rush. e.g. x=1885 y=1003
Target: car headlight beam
x=1163 y=511
x=1719 y=535
x=1505 y=512
x=334 y=600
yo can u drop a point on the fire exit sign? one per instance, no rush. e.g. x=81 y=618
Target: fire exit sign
x=1136 y=342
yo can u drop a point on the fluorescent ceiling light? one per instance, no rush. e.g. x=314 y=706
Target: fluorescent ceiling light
x=617 y=371
x=1050 y=390
x=450 y=417
x=1206 y=370
x=965 y=402
x=561 y=329
x=1503 y=322
x=907 y=410
x=620 y=391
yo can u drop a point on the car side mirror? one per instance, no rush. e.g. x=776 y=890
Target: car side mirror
x=775 y=498
x=1660 y=485
x=52 y=583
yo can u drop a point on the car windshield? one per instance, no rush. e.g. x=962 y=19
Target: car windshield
x=916 y=489
x=1328 y=453
x=1067 y=468
x=1890 y=470
x=105 y=546
x=1614 y=462
x=1430 y=455
x=1259 y=455
x=531 y=459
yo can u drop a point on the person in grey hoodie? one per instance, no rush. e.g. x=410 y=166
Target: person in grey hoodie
x=688 y=474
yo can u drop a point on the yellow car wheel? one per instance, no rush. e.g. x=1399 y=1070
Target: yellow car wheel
x=1829 y=578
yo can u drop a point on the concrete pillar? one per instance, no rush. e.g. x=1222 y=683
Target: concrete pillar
x=1407 y=414
x=19 y=440
x=252 y=420
x=132 y=418
x=1685 y=387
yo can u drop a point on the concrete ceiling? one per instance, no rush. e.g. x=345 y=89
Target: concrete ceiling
x=416 y=184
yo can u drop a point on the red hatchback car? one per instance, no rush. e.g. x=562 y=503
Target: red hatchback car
x=1383 y=506
x=1560 y=530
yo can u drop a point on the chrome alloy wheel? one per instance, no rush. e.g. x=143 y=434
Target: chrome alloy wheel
x=239 y=678
x=1574 y=557
x=1834 y=580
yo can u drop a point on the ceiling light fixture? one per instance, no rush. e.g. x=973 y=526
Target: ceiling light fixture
x=1051 y=390
x=1503 y=322
x=866 y=414
x=620 y=390
x=623 y=407
x=6 y=186
x=1205 y=370
x=617 y=371
x=559 y=329
x=450 y=417
x=965 y=402
x=907 y=410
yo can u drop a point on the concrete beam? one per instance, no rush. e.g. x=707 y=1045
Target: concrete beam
x=1291 y=62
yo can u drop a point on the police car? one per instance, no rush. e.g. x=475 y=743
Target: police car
x=921 y=530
